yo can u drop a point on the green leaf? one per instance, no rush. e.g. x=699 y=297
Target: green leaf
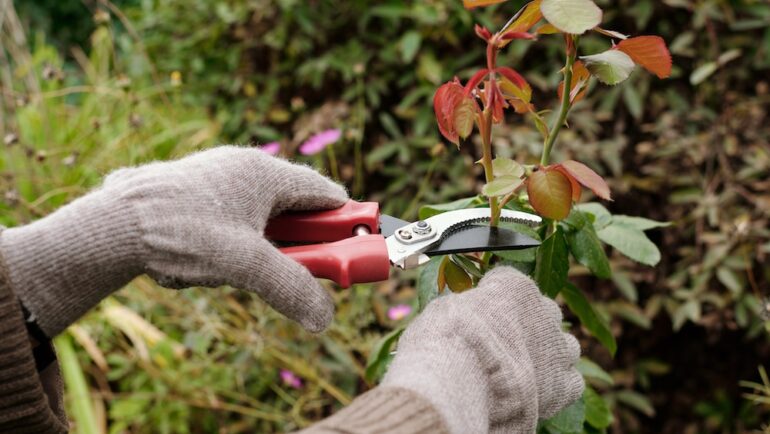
x=631 y=242
x=552 y=264
x=569 y=420
x=456 y=278
x=468 y=265
x=380 y=357
x=625 y=285
x=586 y=247
x=610 y=67
x=409 y=44
x=691 y=310
x=506 y=166
x=637 y=401
x=381 y=153
x=598 y=414
x=633 y=102
x=427 y=289
x=580 y=306
x=631 y=313
x=572 y=16
x=521 y=228
x=541 y=126
x=701 y=73
x=591 y=370
x=730 y=280
x=639 y=223
x=501 y=186
x=602 y=217
x=431 y=210
x=75 y=381
x=523 y=255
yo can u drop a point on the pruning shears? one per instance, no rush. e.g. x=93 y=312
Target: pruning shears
x=357 y=244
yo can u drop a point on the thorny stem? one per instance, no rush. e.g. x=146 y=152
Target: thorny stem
x=486 y=161
x=564 y=108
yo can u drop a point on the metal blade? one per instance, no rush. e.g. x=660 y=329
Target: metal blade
x=408 y=246
x=389 y=225
x=482 y=238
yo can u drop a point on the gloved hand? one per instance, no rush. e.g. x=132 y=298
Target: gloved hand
x=492 y=359
x=198 y=221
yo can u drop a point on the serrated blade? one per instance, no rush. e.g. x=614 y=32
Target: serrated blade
x=482 y=238
x=407 y=248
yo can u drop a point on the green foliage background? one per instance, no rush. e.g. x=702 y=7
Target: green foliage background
x=87 y=88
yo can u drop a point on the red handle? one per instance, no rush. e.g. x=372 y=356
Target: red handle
x=359 y=259
x=323 y=226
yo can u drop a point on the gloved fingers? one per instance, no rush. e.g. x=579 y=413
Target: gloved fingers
x=514 y=291
x=284 y=284
x=507 y=284
x=570 y=388
x=574 y=386
x=302 y=188
x=573 y=348
x=120 y=175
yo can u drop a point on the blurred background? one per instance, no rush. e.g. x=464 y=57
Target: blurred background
x=92 y=85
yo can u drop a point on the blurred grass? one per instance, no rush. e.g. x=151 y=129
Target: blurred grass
x=208 y=360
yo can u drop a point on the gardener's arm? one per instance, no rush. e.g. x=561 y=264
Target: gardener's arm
x=198 y=221
x=492 y=359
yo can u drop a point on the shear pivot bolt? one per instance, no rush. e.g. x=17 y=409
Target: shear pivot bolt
x=421 y=227
x=405 y=234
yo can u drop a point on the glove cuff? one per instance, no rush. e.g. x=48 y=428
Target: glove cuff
x=384 y=410
x=450 y=377
x=64 y=264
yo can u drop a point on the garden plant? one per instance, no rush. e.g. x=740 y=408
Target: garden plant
x=552 y=190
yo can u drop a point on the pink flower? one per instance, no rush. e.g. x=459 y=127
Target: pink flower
x=399 y=312
x=272 y=148
x=318 y=142
x=290 y=379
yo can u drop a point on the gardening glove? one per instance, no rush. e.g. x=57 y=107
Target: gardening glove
x=198 y=221
x=492 y=359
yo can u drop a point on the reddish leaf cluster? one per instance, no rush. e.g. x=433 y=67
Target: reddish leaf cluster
x=456 y=106
x=455 y=111
x=552 y=189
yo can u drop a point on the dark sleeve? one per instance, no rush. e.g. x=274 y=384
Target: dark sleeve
x=25 y=407
x=383 y=410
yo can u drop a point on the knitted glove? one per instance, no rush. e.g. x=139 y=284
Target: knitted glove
x=493 y=359
x=198 y=221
